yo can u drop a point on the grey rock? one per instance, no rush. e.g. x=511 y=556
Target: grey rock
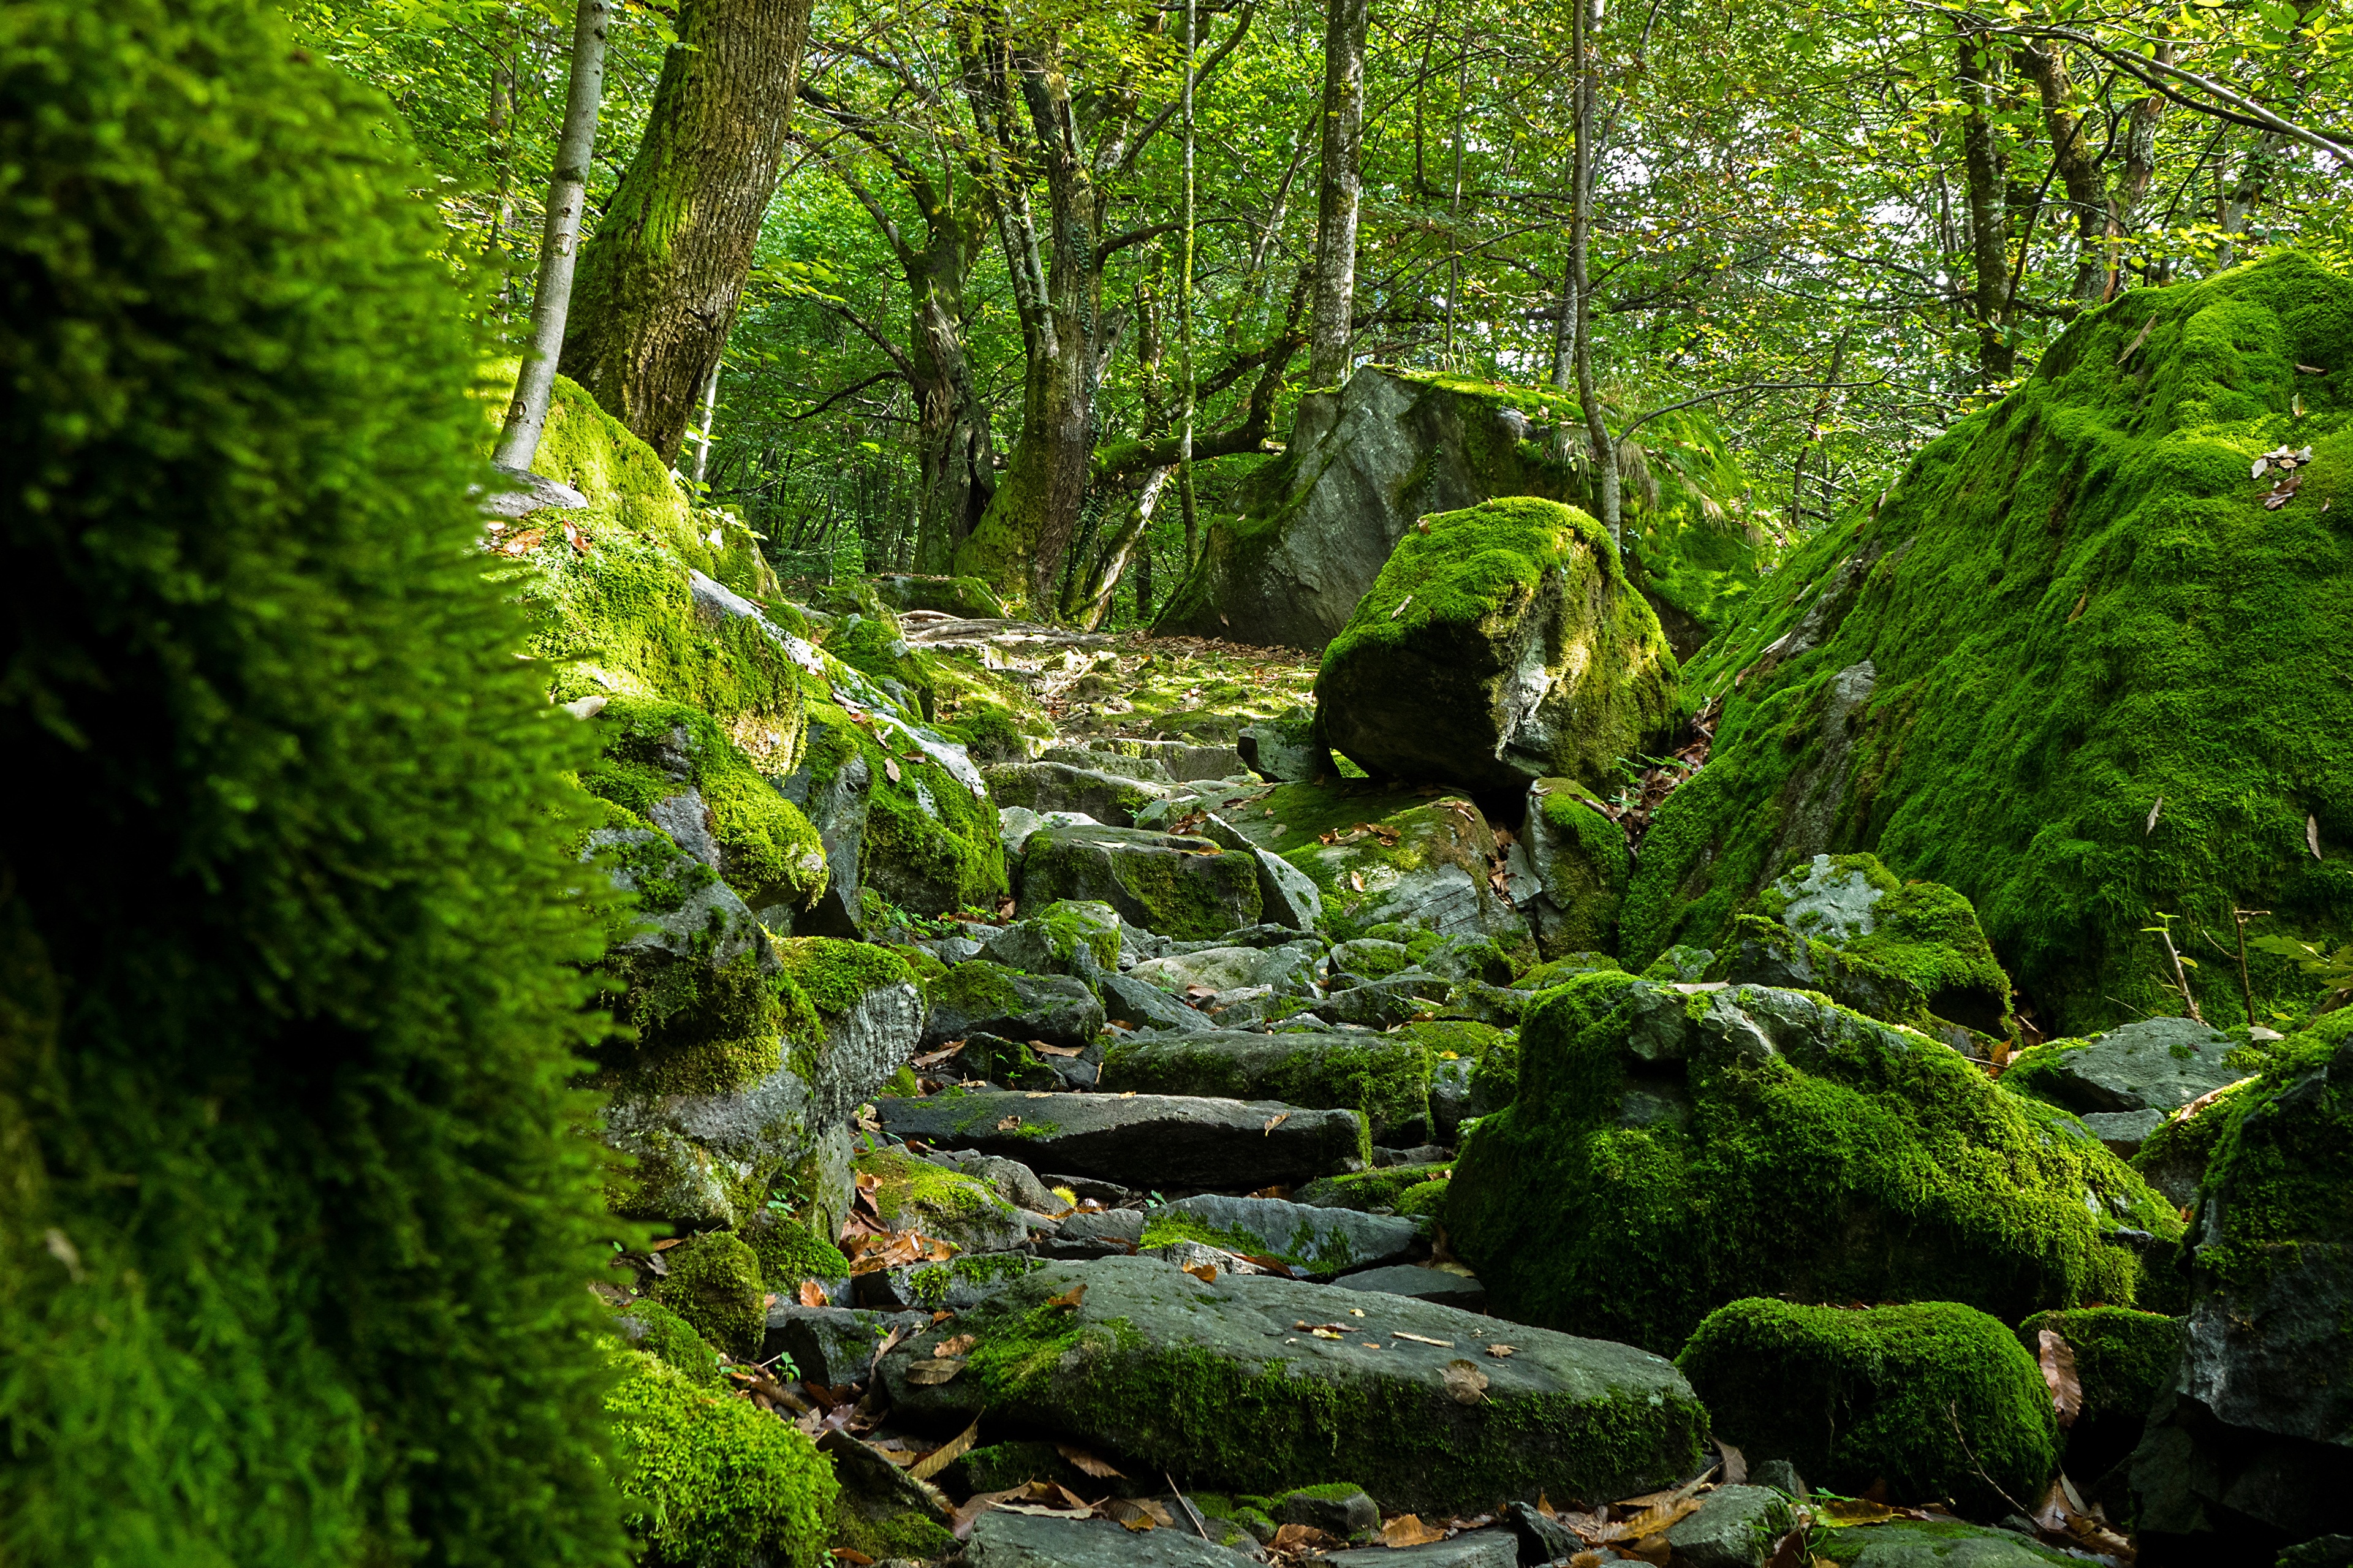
x=1324 y=1070
x=1341 y=1516
x=1573 y=906
x=1901 y=1544
x=1434 y=1285
x=1472 y=1549
x=1011 y=1180
x=1284 y=752
x=1680 y=964
x=1185 y=762
x=1825 y=901
x=1068 y=937
x=1144 y=770
x=1542 y=1540
x=529 y=492
x=962 y=1282
x=878 y=1491
x=1001 y=1540
x=2150 y=1064
x=2124 y=1132
x=1146 y=1141
x=1326 y=1241
x=1369 y=957
x=1289 y=970
x=837 y=809
x=1139 y=1004
x=1734 y=1526
x=1287 y=896
x=1263 y=934
x=1386 y=1004
x=1449 y=1095
x=1468 y=958
x=1015 y=823
x=1780 y=1475
x=1139 y=1323
x=1435 y=879
x=1045 y=787
x=831 y=1345
x=1177 y=885
x=1096 y=1235
x=980 y=997
x=1485 y=1004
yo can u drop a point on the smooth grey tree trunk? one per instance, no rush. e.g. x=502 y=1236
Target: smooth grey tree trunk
x=1333 y=317
x=559 y=243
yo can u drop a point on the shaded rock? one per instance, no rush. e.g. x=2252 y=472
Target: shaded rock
x=1001 y=1540
x=1337 y=1510
x=1138 y=1005
x=1499 y=645
x=883 y=1505
x=1285 y=752
x=946 y=1287
x=1384 y=1078
x=2151 y=1064
x=914 y=1193
x=1902 y=1544
x=1734 y=1526
x=967 y=598
x=1368 y=958
x=1579 y=859
x=1152 y=1361
x=1287 y=896
x=1066 y=937
x=2124 y=1132
x=1326 y=1241
x=1411 y=1280
x=1177 y=886
x=1290 y=969
x=981 y=997
x=1386 y=1004
x=1540 y=1539
x=1146 y=1141
x=1472 y=1549
x=1144 y=770
x=1780 y=1475
x=1428 y=870
x=1044 y=787
x=1881 y=1164
x=830 y=1346
x=1097 y=1234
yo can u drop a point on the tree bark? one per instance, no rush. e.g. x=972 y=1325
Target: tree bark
x=559 y=239
x=1606 y=489
x=2078 y=167
x=660 y=283
x=2247 y=193
x=1339 y=182
x=1989 y=213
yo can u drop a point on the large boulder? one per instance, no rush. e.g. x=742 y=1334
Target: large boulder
x=2254 y=1440
x=2126 y=1083
x=1385 y=1077
x=1147 y=1141
x=1499 y=645
x=1142 y=1359
x=1169 y=884
x=1578 y=854
x=1986 y=680
x=1430 y=865
x=1671 y=1148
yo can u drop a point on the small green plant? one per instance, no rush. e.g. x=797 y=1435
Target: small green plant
x=2332 y=970
x=2174 y=974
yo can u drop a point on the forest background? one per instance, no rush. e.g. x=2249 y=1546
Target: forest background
x=1834 y=229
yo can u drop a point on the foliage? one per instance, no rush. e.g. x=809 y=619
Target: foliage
x=295 y=1225
x=711 y=1482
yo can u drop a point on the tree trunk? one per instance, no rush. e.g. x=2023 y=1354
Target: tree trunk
x=2133 y=180
x=1338 y=182
x=956 y=449
x=1989 y=214
x=1580 y=238
x=1089 y=599
x=559 y=239
x=2247 y=193
x=660 y=283
x=710 y=417
x=2078 y=168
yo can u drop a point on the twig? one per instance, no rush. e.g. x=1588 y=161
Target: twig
x=1185 y=1503
x=1953 y=1412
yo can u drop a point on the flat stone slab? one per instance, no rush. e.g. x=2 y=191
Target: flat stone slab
x=1219 y=1383
x=1421 y=1284
x=1290 y=968
x=1899 y=1544
x=1049 y=787
x=1145 y=1141
x=1472 y=1549
x=1176 y=885
x=1137 y=1004
x=977 y=997
x=1002 y=1539
x=2150 y=1064
x=1326 y=1240
x=1385 y=1076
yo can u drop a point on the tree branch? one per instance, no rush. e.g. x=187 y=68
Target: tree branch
x=847 y=391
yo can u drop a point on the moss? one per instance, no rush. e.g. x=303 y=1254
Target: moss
x=2281 y=1180
x=1425 y=1200
x=930 y=844
x=1186 y=894
x=1438 y=612
x=1624 y=1198
x=932 y=1283
x=654 y=750
x=714 y=1283
x=913 y=1194
x=1073 y=924
x=1560 y=971
x=670 y=1339
x=2072 y=603
x=708 y=1481
x=1928 y=933
x=837 y=976
x=976 y=988
x=1175 y=1405
x=1385 y=1078
x=1368 y=1190
x=1585 y=867
x=789 y=1254
x=1928 y=1544
x=2186 y=1146
x=1166 y=1228
x=2123 y=1359
x=902 y=1537
x=1937 y=1400
x=922 y=963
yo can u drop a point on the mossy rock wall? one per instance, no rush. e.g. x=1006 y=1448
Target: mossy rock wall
x=2072 y=605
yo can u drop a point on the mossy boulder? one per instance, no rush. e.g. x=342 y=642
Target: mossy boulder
x=2149 y=1064
x=980 y=997
x=1094 y=793
x=1499 y=645
x=968 y=597
x=1936 y=1400
x=1900 y=946
x=2072 y=606
x=911 y=1194
x=1169 y=884
x=1069 y=937
x=1153 y=1362
x=2123 y=1360
x=1400 y=859
x=1581 y=863
x=708 y=1480
x=648 y=1326
x=714 y=1284
x=1321 y=1239
x=1385 y=1077
x=1665 y=1154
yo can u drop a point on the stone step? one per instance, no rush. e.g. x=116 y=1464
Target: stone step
x=1144 y=1140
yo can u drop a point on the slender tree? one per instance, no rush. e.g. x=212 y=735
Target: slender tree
x=1585 y=90
x=1339 y=182
x=661 y=282
x=559 y=240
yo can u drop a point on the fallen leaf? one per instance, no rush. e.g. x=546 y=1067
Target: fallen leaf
x=1356 y=881
x=1294 y=1538
x=1086 y=1463
x=1544 y=1505
x=1070 y=1299
x=2146 y=328
x=1500 y=1352
x=812 y=1293
x=1044 y=1049
x=2295 y=405
x=960 y=1345
x=1009 y=1123
x=946 y=1454
x=1789 y=1551
x=1854 y=1511
x=1401 y=1334
x=2260 y=467
x=1401 y=604
x=2058 y=1362
x=2150 y=825
x=1274 y=1121
x=1407 y=1530
x=1279 y=1193
x=2311 y=370
x=2312 y=836
x=890 y=770
x=1465 y=1383
x=932 y=1373
x=1736 y=1463
x=850 y=1554
x=1651 y=1522
x=1207 y=1273
x=1138 y=1514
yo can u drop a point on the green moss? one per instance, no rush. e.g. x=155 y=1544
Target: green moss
x=663 y=1334
x=1368 y=1190
x=2281 y=1180
x=2123 y=1359
x=708 y=1481
x=903 y=1537
x=1073 y=924
x=837 y=976
x=930 y=844
x=1561 y=970
x=932 y=1283
x=1936 y=1399
x=1624 y=1200
x=1929 y=934
x=1425 y=1200
x=1586 y=869
x=2072 y=603
x=789 y=1254
x=768 y=852
x=714 y=1283
x=1385 y=1078
x=913 y=1194
x=1166 y=1228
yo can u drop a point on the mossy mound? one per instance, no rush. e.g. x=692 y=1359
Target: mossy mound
x=1666 y=1153
x=1386 y=1077
x=714 y=1283
x=1499 y=645
x=649 y=1326
x=2073 y=606
x=708 y=1482
x=925 y=841
x=790 y=1253
x=1936 y=1399
x=2123 y=1359
x=1579 y=856
x=911 y=1194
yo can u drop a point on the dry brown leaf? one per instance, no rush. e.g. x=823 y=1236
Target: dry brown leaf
x=1407 y=1530
x=666 y=1243
x=890 y=770
x=1300 y=1537
x=930 y=1373
x=1276 y=1120
x=1651 y=1522
x=1356 y=881
x=2057 y=1359
x=1544 y=1505
x=1401 y=1334
x=1279 y=1193
x=1069 y=1298
x=1500 y=1351
x=812 y=1293
x=1207 y=1273
x=1138 y=1514
x=850 y=1554
x=1086 y=1463
x=1856 y=1510
x=1736 y=1463
x=1009 y=1123
x=1465 y=1383
x=2146 y=328
x=1789 y=1551
x=1043 y=1049
x=946 y=1454
x=960 y=1345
